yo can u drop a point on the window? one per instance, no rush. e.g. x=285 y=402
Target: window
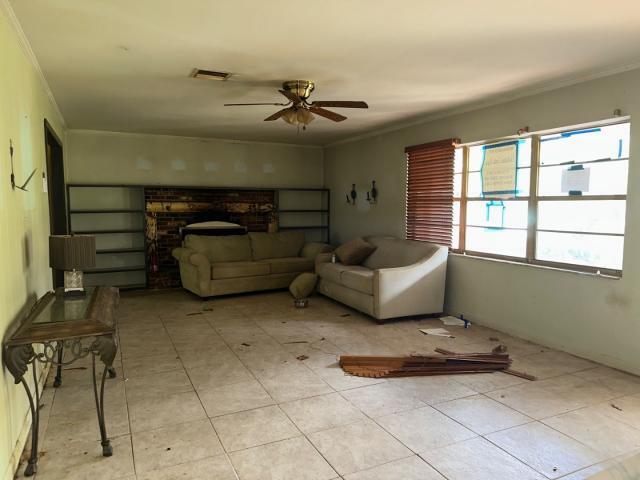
x=566 y=207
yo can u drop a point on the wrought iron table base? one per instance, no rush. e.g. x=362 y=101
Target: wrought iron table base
x=57 y=381
x=19 y=357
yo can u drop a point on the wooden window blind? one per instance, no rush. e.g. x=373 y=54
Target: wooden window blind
x=430 y=191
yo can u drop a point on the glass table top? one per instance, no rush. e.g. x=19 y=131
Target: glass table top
x=64 y=309
x=56 y=317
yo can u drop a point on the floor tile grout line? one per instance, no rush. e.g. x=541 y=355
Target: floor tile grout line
x=371 y=418
x=285 y=413
x=580 y=441
x=252 y=372
x=435 y=405
x=235 y=472
x=126 y=399
x=533 y=468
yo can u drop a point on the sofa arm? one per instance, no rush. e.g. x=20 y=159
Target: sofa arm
x=323 y=258
x=412 y=290
x=182 y=254
x=312 y=249
x=194 y=261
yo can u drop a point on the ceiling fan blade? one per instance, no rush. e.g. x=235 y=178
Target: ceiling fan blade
x=291 y=96
x=336 y=117
x=339 y=103
x=244 y=104
x=276 y=115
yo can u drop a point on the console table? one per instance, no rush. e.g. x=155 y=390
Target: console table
x=67 y=328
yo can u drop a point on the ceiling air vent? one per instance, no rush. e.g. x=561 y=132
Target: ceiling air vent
x=209 y=74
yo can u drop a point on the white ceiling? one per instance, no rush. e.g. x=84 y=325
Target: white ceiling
x=124 y=65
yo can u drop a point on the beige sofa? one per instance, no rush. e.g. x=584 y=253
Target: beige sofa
x=220 y=265
x=401 y=278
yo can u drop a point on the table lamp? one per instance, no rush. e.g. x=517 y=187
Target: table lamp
x=72 y=253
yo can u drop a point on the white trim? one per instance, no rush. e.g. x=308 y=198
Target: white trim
x=596 y=123
x=535 y=265
x=31 y=56
x=14 y=459
x=83 y=131
x=489 y=102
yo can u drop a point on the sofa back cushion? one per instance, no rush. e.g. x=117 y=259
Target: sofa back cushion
x=354 y=252
x=229 y=248
x=276 y=245
x=395 y=252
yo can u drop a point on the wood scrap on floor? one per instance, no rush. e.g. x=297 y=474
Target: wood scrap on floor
x=423 y=365
x=500 y=349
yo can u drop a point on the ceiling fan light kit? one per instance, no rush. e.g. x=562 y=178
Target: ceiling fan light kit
x=298 y=111
x=298 y=116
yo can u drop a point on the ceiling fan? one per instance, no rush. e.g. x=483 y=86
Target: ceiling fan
x=298 y=111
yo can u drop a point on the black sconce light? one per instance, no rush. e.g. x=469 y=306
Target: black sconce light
x=351 y=197
x=372 y=195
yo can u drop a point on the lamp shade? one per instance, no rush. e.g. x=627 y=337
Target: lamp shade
x=72 y=252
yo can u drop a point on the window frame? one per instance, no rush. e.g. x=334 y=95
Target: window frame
x=532 y=203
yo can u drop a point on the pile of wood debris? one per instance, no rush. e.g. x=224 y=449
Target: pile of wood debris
x=445 y=363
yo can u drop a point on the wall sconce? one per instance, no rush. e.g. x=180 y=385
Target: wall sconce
x=372 y=195
x=351 y=197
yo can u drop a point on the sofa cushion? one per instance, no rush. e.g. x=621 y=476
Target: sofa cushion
x=330 y=271
x=289 y=264
x=358 y=278
x=221 y=270
x=276 y=245
x=354 y=252
x=303 y=285
x=231 y=248
x=395 y=252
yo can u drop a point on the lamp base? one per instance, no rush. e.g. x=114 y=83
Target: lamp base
x=74 y=293
x=73 y=283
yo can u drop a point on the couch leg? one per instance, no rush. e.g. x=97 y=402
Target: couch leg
x=380 y=321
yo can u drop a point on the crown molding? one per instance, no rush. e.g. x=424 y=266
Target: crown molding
x=85 y=131
x=31 y=56
x=493 y=100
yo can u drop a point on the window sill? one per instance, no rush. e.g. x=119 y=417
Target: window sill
x=534 y=265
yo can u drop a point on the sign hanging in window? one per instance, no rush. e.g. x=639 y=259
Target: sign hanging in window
x=499 y=169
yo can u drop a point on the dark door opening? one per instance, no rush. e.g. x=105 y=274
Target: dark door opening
x=56 y=189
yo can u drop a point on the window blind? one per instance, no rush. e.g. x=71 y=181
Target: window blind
x=429 y=216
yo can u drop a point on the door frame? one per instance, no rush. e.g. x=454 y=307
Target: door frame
x=56 y=188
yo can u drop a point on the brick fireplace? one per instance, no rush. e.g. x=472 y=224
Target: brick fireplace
x=167 y=209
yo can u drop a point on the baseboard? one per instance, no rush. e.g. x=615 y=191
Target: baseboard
x=18 y=448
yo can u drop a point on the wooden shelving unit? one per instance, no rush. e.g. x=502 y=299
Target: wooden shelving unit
x=305 y=209
x=115 y=215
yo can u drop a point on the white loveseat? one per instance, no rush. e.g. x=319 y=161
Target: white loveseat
x=401 y=278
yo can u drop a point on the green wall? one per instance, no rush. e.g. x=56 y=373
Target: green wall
x=143 y=159
x=590 y=316
x=24 y=216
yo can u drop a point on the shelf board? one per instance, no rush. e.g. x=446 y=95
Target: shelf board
x=120 y=250
x=133 y=268
x=115 y=210
x=304 y=227
x=303 y=211
x=96 y=232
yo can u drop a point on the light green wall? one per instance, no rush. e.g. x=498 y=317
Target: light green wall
x=24 y=216
x=124 y=158
x=593 y=317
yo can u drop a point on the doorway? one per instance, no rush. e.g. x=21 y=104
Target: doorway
x=57 y=190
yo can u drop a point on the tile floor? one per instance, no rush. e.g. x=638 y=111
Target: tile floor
x=248 y=388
